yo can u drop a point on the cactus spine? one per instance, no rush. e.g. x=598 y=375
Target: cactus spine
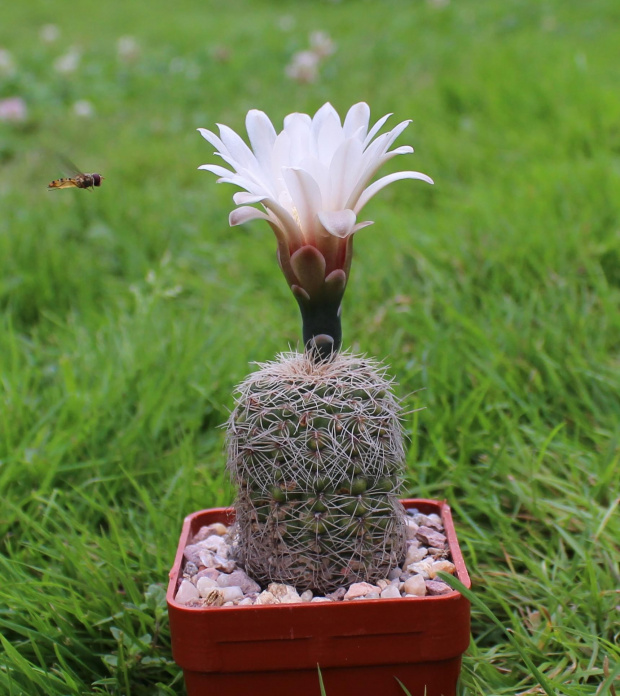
x=315 y=449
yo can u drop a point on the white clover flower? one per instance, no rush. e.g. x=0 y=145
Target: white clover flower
x=312 y=180
x=304 y=67
x=321 y=43
x=69 y=62
x=49 y=33
x=127 y=49
x=83 y=108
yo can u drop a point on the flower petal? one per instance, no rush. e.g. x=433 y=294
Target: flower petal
x=343 y=173
x=216 y=169
x=356 y=121
x=375 y=129
x=262 y=136
x=385 y=181
x=212 y=138
x=244 y=214
x=236 y=147
x=306 y=198
x=339 y=223
x=308 y=265
x=243 y=198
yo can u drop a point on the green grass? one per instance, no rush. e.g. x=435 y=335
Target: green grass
x=129 y=314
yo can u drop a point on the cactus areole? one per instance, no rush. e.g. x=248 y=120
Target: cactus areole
x=315 y=443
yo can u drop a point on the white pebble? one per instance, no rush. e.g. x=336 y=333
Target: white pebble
x=266 y=597
x=306 y=596
x=360 y=589
x=248 y=601
x=285 y=594
x=412 y=528
x=395 y=573
x=223 y=564
x=415 y=586
x=216 y=544
x=206 y=558
x=204 y=585
x=231 y=594
x=390 y=592
x=414 y=555
x=422 y=568
x=443 y=566
x=186 y=593
x=316 y=600
x=240 y=578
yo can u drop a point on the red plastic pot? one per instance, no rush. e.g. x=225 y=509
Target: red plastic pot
x=362 y=647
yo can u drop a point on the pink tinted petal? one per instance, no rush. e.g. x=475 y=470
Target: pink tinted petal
x=308 y=264
x=244 y=214
x=361 y=225
x=385 y=181
x=243 y=198
x=339 y=223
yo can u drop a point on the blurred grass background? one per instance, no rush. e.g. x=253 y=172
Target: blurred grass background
x=129 y=313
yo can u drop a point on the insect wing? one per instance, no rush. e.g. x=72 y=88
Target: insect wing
x=69 y=168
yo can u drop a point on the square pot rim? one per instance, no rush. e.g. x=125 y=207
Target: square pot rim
x=443 y=509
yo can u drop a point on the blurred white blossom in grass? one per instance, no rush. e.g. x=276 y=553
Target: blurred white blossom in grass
x=304 y=65
x=69 y=62
x=7 y=64
x=13 y=109
x=128 y=49
x=49 y=33
x=286 y=22
x=83 y=108
x=321 y=44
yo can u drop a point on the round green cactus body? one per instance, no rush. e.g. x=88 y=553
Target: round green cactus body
x=315 y=449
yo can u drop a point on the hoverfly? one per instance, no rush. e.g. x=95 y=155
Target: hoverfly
x=78 y=180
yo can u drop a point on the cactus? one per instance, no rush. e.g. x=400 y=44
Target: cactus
x=315 y=443
x=315 y=449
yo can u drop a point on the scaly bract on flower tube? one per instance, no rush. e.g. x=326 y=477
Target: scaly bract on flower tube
x=312 y=180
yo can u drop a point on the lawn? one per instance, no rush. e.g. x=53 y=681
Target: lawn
x=129 y=313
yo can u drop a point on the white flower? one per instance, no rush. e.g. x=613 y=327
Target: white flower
x=128 y=49
x=69 y=62
x=312 y=180
x=321 y=43
x=313 y=177
x=304 y=67
x=49 y=33
x=83 y=108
